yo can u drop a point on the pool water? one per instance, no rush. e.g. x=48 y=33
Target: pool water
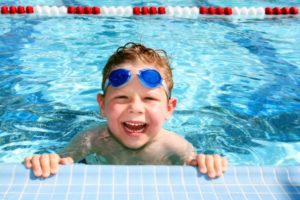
x=237 y=81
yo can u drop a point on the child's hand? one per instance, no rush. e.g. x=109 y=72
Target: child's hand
x=213 y=165
x=46 y=164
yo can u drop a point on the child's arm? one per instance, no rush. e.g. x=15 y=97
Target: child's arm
x=212 y=165
x=47 y=164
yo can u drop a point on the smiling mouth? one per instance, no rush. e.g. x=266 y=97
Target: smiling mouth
x=135 y=127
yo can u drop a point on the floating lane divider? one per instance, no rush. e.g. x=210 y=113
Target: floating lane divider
x=251 y=12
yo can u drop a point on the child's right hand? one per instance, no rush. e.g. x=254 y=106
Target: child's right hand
x=46 y=164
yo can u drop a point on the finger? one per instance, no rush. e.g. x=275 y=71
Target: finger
x=210 y=166
x=27 y=162
x=202 y=163
x=224 y=164
x=36 y=165
x=54 y=160
x=45 y=164
x=193 y=162
x=66 y=161
x=218 y=165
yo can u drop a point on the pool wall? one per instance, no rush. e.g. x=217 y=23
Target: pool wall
x=150 y=182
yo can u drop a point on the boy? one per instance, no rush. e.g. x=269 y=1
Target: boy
x=136 y=100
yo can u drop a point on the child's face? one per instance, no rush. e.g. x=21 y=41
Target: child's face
x=135 y=113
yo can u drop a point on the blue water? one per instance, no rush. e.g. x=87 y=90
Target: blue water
x=236 y=81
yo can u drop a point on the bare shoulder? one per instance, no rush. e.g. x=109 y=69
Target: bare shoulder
x=177 y=146
x=95 y=135
x=172 y=136
x=98 y=131
x=87 y=139
x=174 y=140
x=84 y=143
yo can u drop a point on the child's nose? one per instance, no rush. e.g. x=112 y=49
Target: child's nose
x=136 y=106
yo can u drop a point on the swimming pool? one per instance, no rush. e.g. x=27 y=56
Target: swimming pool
x=237 y=80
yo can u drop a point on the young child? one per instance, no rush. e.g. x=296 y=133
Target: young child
x=136 y=101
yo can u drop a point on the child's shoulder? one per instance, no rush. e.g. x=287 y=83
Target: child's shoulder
x=171 y=135
x=177 y=144
x=94 y=132
x=171 y=139
x=100 y=129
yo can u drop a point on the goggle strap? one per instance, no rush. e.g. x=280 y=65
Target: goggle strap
x=166 y=88
x=105 y=85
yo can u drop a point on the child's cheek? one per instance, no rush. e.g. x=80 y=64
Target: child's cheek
x=157 y=110
x=160 y=105
x=113 y=109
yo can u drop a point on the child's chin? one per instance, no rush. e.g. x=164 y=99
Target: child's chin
x=137 y=146
x=133 y=134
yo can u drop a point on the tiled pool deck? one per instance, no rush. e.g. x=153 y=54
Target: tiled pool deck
x=150 y=183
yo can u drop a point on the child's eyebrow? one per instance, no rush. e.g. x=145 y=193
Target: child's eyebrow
x=154 y=93
x=119 y=94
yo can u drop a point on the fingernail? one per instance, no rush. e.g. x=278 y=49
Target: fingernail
x=46 y=175
x=37 y=174
x=212 y=174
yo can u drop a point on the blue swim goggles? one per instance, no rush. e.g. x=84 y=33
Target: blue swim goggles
x=150 y=78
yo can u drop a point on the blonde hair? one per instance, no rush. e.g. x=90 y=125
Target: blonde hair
x=134 y=53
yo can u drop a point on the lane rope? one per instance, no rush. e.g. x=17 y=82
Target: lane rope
x=177 y=11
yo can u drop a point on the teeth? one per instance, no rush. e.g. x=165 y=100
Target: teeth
x=135 y=127
x=134 y=131
x=134 y=124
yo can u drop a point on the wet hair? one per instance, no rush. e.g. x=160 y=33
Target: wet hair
x=134 y=53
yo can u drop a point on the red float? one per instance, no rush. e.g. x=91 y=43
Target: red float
x=88 y=10
x=29 y=10
x=285 y=11
x=96 y=10
x=161 y=10
x=294 y=11
x=145 y=10
x=153 y=10
x=268 y=11
x=79 y=10
x=21 y=10
x=211 y=11
x=71 y=10
x=136 y=10
x=276 y=11
x=12 y=10
x=203 y=10
x=219 y=11
x=4 y=10
x=228 y=11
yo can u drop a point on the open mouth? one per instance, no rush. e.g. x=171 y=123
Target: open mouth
x=135 y=127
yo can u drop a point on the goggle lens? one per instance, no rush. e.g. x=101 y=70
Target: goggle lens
x=119 y=77
x=150 y=78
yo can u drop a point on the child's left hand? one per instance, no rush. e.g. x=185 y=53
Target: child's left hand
x=212 y=165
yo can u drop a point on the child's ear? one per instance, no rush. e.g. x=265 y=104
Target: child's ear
x=171 y=107
x=100 y=100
